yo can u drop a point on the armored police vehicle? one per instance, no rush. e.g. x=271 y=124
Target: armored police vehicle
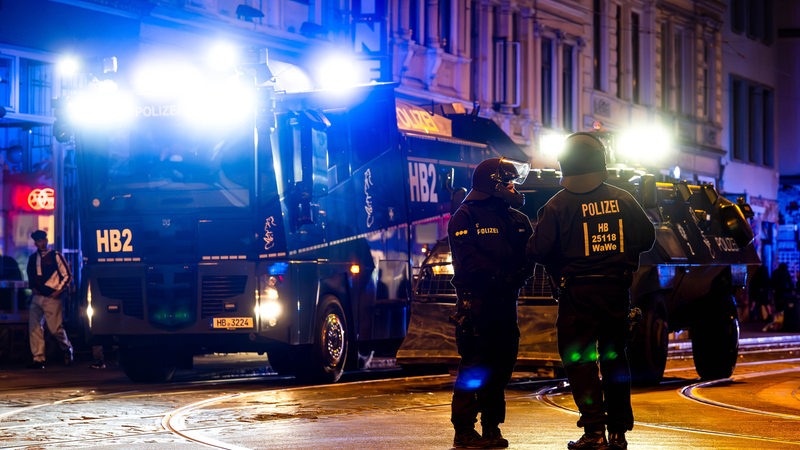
x=703 y=253
x=217 y=215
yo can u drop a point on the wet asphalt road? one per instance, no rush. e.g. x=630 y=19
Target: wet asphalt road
x=216 y=406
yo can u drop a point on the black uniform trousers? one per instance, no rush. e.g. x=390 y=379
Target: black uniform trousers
x=488 y=355
x=593 y=328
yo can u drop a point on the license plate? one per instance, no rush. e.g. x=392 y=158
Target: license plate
x=230 y=323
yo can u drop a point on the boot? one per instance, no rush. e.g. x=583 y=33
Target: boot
x=495 y=439
x=469 y=439
x=591 y=440
x=616 y=441
x=68 y=357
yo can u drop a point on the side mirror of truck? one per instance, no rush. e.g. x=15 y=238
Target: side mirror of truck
x=301 y=210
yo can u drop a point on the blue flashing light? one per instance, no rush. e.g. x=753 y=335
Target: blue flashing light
x=472 y=378
x=279 y=268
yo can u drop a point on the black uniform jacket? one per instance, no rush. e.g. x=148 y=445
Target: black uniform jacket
x=487 y=240
x=601 y=232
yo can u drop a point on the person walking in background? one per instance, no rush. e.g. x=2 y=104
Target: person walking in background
x=782 y=287
x=487 y=237
x=589 y=237
x=49 y=278
x=758 y=295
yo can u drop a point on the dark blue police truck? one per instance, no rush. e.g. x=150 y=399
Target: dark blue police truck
x=251 y=220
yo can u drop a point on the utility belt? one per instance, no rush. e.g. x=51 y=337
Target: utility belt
x=623 y=278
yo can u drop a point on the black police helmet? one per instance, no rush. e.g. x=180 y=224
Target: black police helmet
x=583 y=163
x=493 y=171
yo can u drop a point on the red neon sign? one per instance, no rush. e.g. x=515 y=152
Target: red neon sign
x=42 y=199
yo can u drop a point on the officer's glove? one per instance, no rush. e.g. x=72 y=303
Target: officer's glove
x=634 y=317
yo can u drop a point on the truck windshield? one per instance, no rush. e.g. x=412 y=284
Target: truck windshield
x=160 y=164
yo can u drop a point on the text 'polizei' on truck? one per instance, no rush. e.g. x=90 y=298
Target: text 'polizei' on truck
x=220 y=215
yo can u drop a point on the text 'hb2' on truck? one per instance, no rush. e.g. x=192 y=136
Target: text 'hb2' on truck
x=220 y=215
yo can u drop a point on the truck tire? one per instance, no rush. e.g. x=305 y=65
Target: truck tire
x=715 y=339
x=324 y=360
x=146 y=365
x=647 y=352
x=331 y=346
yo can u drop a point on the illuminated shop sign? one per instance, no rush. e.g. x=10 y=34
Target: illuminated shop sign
x=42 y=199
x=35 y=199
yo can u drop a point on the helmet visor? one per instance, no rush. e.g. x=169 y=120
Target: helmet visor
x=512 y=171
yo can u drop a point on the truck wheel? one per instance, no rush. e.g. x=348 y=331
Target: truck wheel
x=146 y=365
x=324 y=360
x=649 y=344
x=330 y=344
x=715 y=340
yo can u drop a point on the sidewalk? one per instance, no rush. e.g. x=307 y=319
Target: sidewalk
x=751 y=336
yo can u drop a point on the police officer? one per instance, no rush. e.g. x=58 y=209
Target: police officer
x=487 y=237
x=589 y=236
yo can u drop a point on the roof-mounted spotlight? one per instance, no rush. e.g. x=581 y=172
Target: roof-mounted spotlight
x=248 y=13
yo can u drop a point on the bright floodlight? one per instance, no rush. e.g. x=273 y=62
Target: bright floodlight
x=552 y=144
x=67 y=66
x=289 y=77
x=222 y=56
x=101 y=105
x=646 y=145
x=219 y=103
x=339 y=71
x=167 y=80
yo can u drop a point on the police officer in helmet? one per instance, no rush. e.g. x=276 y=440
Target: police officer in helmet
x=487 y=237
x=589 y=236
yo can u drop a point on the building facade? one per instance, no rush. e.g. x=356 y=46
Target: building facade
x=704 y=70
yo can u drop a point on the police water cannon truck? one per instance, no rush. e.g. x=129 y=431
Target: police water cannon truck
x=703 y=253
x=218 y=214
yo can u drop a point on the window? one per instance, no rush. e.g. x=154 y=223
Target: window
x=6 y=74
x=754 y=19
x=635 y=58
x=414 y=21
x=598 y=44
x=707 y=91
x=445 y=12
x=506 y=72
x=27 y=87
x=740 y=132
x=768 y=120
x=547 y=82
x=738 y=16
x=620 y=58
x=568 y=87
x=752 y=136
x=36 y=87
x=665 y=65
x=474 y=43
x=677 y=75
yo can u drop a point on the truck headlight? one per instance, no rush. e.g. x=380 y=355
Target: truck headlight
x=269 y=308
